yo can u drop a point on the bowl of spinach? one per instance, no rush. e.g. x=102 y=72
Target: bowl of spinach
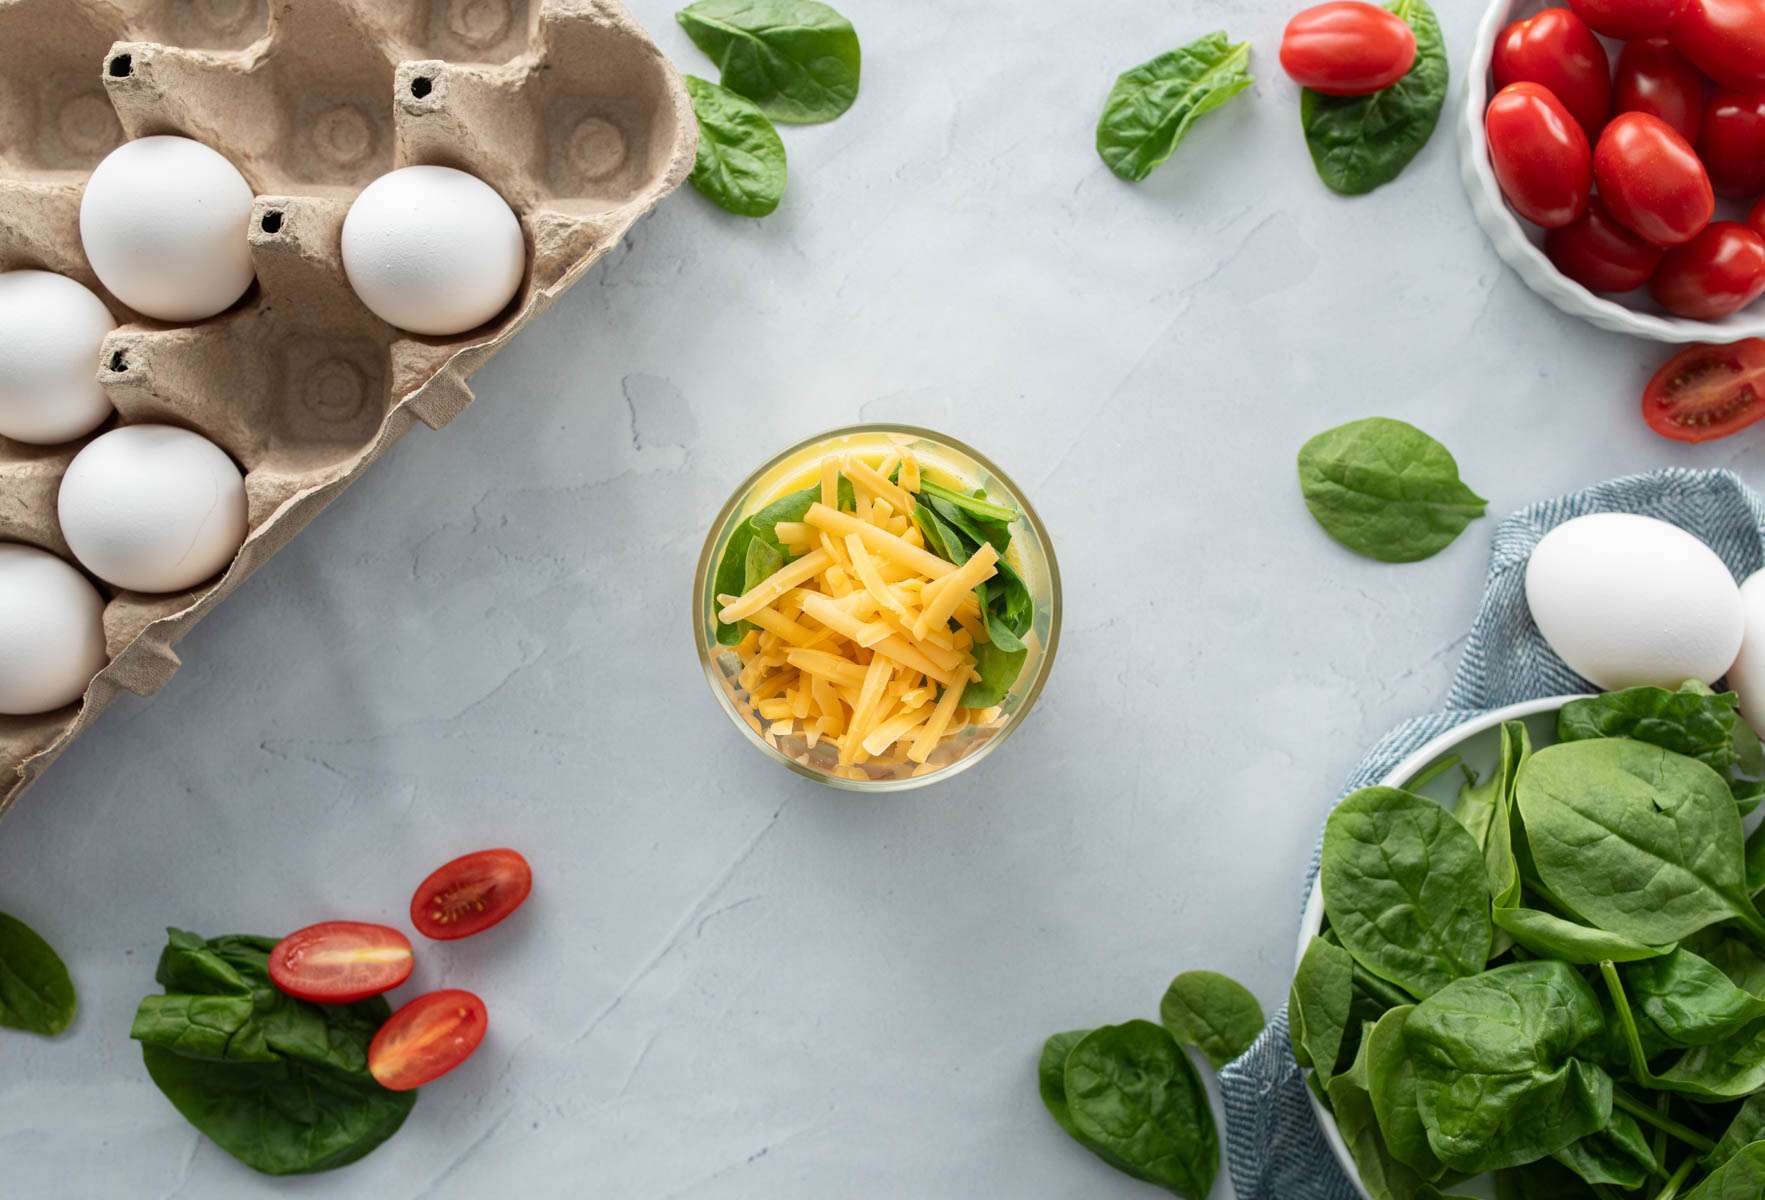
x=1533 y=964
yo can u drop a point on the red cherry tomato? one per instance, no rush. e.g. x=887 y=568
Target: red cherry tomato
x=1725 y=38
x=1655 y=78
x=1707 y=392
x=1556 y=50
x=1720 y=271
x=340 y=962
x=470 y=894
x=426 y=1039
x=1539 y=154
x=1652 y=180
x=1733 y=143
x=1600 y=254
x=1626 y=19
x=1346 y=48
x=1756 y=218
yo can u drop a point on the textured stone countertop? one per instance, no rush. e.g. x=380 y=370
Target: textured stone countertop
x=731 y=982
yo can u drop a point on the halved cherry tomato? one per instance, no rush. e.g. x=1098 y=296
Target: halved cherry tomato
x=1540 y=155
x=1655 y=78
x=1652 y=180
x=426 y=1039
x=1626 y=19
x=1725 y=38
x=470 y=894
x=1707 y=392
x=1600 y=254
x=1733 y=144
x=1347 y=48
x=340 y=962
x=1555 y=49
x=1720 y=271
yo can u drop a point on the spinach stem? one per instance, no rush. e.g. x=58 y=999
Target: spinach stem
x=1639 y=1061
x=1678 y=1180
x=1667 y=1125
x=1431 y=772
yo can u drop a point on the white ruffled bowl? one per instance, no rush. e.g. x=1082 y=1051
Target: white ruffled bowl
x=1520 y=244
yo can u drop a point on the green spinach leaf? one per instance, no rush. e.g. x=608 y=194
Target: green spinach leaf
x=1051 y=1081
x=1552 y=936
x=1131 y=1090
x=1318 y=1007
x=1212 y=1012
x=1729 y=1069
x=1616 y=1156
x=740 y=165
x=1360 y=142
x=1405 y=890
x=1352 y=1104
x=1740 y=1178
x=1385 y=489
x=1693 y=721
x=1151 y=107
x=1746 y=1127
x=1689 y=999
x=1391 y=1080
x=798 y=60
x=36 y=993
x=280 y=1084
x=1500 y=1081
x=1635 y=839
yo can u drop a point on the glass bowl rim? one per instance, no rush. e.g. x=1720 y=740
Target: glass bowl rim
x=708 y=649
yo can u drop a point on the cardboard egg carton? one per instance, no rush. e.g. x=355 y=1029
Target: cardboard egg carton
x=565 y=107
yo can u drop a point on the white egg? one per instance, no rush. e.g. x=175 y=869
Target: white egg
x=1628 y=600
x=1747 y=675
x=51 y=631
x=163 y=223
x=51 y=329
x=433 y=250
x=152 y=508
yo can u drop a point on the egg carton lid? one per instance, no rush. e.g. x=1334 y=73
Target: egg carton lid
x=565 y=107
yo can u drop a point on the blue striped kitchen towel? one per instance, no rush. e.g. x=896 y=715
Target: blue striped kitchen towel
x=1274 y=1148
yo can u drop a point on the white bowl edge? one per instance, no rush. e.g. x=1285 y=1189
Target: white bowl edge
x=1313 y=920
x=1528 y=261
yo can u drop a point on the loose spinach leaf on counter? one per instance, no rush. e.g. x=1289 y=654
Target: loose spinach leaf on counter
x=1405 y=889
x=1151 y=107
x=36 y=993
x=1385 y=489
x=1132 y=1091
x=740 y=165
x=1051 y=1082
x=280 y=1084
x=797 y=60
x=1212 y=1012
x=1358 y=143
x=1635 y=839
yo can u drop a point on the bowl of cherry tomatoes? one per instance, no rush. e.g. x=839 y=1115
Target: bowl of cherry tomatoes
x=1614 y=151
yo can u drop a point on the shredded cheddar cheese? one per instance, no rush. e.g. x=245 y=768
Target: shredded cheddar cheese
x=864 y=639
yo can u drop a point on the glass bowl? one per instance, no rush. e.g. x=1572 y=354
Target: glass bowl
x=944 y=459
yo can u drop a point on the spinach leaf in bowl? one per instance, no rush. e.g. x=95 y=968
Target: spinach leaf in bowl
x=1150 y=108
x=740 y=165
x=1693 y=721
x=280 y=1084
x=1318 y=1006
x=1740 y=1178
x=1385 y=489
x=36 y=993
x=797 y=60
x=1358 y=143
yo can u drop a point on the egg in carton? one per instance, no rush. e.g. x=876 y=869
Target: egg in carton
x=564 y=107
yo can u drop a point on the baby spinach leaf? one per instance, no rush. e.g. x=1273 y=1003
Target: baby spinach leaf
x=1404 y=888
x=974 y=504
x=1740 y=1178
x=1131 y=1090
x=1352 y=1104
x=753 y=551
x=1499 y=1081
x=1746 y=1127
x=1212 y=1012
x=940 y=539
x=740 y=165
x=1360 y=142
x=1318 y=1006
x=279 y=1083
x=975 y=530
x=1690 y=1001
x=1616 y=1156
x=1385 y=489
x=1150 y=108
x=1725 y=1070
x=1693 y=721
x=1635 y=839
x=798 y=60
x=999 y=669
x=1391 y=1081
x=1051 y=1081
x=36 y=993
x=1552 y=936
x=1542 y=1180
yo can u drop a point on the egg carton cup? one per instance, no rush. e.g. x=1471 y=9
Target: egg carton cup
x=1521 y=244
x=565 y=107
